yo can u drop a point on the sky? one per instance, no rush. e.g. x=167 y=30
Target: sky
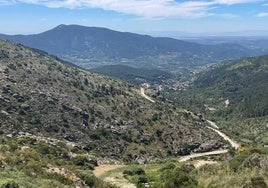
x=156 y=17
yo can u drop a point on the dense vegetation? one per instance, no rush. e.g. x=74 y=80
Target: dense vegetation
x=91 y=46
x=235 y=95
x=243 y=82
x=134 y=75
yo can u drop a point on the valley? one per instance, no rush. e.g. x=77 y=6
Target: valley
x=159 y=128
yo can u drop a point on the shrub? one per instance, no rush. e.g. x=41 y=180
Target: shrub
x=138 y=171
x=142 y=179
x=88 y=177
x=82 y=160
x=258 y=182
x=58 y=177
x=238 y=160
x=10 y=184
x=32 y=168
x=128 y=172
x=168 y=166
x=89 y=180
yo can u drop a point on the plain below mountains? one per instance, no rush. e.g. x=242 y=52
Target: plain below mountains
x=90 y=47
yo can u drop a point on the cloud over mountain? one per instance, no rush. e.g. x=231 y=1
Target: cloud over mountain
x=143 y=8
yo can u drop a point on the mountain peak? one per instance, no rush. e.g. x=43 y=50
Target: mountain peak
x=91 y=47
x=60 y=26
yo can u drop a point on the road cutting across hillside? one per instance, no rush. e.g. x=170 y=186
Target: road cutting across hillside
x=146 y=96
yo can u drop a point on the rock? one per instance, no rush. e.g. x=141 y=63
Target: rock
x=5 y=113
x=188 y=148
x=208 y=146
x=25 y=106
x=257 y=160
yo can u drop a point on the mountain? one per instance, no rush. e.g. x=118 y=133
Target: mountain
x=134 y=75
x=234 y=93
x=90 y=47
x=45 y=96
x=252 y=42
x=243 y=82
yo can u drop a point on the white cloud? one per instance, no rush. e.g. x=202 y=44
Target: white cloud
x=143 y=8
x=7 y=2
x=262 y=14
x=232 y=2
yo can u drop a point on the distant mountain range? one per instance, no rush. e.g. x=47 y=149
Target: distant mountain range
x=91 y=47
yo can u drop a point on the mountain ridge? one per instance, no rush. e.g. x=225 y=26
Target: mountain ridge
x=89 y=47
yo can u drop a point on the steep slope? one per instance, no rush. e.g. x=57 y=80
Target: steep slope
x=43 y=95
x=243 y=82
x=235 y=94
x=91 y=46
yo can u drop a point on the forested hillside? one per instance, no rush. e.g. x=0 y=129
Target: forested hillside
x=134 y=75
x=235 y=94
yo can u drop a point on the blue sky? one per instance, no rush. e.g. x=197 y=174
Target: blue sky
x=142 y=16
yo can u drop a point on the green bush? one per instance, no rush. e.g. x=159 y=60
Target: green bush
x=82 y=160
x=138 y=171
x=171 y=177
x=128 y=172
x=142 y=179
x=258 y=182
x=10 y=184
x=58 y=177
x=238 y=160
x=88 y=177
x=168 y=166
x=32 y=168
x=89 y=180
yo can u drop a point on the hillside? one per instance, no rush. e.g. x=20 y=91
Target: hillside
x=243 y=82
x=45 y=96
x=134 y=75
x=235 y=94
x=90 y=47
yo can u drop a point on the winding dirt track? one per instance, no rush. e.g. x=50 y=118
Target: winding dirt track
x=195 y=155
x=216 y=152
x=145 y=96
x=225 y=137
x=116 y=178
x=102 y=169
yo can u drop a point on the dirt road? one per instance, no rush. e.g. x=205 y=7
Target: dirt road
x=116 y=178
x=217 y=152
x=225 y=137
x=102 y=169
x=145 y=96
x=195 y=155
